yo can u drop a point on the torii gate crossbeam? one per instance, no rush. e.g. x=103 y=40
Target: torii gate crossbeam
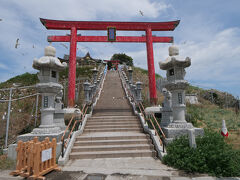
x=73 y=26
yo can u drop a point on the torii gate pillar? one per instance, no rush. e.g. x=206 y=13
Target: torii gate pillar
x=151 y=69
x=72 y=68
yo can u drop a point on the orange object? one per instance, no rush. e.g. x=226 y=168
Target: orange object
x=30 y=162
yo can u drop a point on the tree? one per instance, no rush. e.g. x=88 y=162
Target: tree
x=123 y=58
x=109 y=63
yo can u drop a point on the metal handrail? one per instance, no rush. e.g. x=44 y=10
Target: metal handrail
x=65 y=143
x=142 y=110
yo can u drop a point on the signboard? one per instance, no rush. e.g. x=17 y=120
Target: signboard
x=46 y=154
x=111 y=34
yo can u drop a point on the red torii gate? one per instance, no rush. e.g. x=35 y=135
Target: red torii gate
x=73 y=26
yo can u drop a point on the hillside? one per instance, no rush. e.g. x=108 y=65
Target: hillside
x=22 y=116
x=213 y=107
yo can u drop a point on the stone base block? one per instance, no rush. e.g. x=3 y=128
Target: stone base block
x=12 y=153
x=41 y=137
x=58 y=119
x=173 y=133
x=72 y=110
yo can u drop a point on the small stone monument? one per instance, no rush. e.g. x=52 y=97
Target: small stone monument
x=166 y=110
x=176 y=85
x=58 y=119
x=49 y=67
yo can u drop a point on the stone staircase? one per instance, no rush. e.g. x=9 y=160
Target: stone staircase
x=113 y=131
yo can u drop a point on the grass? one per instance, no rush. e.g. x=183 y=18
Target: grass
x=25 y=79
x=210 y=116
x=6 y=163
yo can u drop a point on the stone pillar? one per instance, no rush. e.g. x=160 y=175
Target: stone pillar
x=91 y=92
x=95 y=71
x=191 y=137
x=98 y=83
x=130 y=76
x=87 y=89
x=138 y=91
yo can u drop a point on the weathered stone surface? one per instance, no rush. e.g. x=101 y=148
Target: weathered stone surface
x=174 y=124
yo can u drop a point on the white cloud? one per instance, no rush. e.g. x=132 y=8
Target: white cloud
x=91 y=9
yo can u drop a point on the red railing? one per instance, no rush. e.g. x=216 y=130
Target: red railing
x=81 y=116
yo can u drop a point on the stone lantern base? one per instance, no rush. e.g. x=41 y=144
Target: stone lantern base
x=41 y=137
x=175 y=130
x=58 y=119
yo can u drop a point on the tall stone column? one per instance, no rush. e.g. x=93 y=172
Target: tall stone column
x=49 y=67
x=175 y=87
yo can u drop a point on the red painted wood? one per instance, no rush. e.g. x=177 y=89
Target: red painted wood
x=72 y=67
x=151 y=69
x=133 y=39
x=103 y=25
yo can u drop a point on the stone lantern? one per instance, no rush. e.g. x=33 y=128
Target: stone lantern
x=51 y=91
x=95 y=71
x=175 y=92
x=130 y=76
x=138 y=91
x=87 y=92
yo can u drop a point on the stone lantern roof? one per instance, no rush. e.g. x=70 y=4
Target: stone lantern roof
x=174 y=59
x=49 y=60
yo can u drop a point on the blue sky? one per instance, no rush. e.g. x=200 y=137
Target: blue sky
x=209 y=33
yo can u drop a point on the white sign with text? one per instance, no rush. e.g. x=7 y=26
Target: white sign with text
x=46 y=154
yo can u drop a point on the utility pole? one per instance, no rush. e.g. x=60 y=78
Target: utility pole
x=8 y=117
x=36 y=111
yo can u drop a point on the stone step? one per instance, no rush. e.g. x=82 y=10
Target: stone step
x=112 y=154
x=113 y=120
x=96 y=123
x=113 y=117
x=112 y=142
x=112 y=113
x=140 y=136
x=113 y=148
x=112 y=126
x=113 y=130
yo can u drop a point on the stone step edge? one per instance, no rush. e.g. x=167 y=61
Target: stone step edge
x=114 y=121
x=112 y=148
x=107 y=117
x=112 y=126
x=113 y=152
x=115 y=141
x=114 y=130
x=79 y=138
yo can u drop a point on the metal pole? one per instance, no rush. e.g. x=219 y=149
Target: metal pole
x=36 y=111
x=8 y=117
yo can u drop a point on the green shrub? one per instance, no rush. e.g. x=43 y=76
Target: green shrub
x=212 y=156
